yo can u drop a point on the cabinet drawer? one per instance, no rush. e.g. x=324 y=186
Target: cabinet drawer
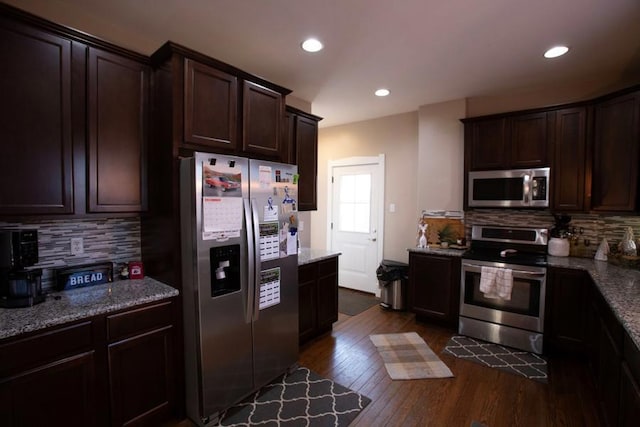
x=43 y=348
x=328 y=267
x=137 y=321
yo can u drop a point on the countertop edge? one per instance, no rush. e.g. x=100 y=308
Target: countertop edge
x=69 y=306
x=309 y=256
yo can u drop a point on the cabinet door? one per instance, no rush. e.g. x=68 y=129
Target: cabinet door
x=629 y=399
x=58 y=394
x=118 y=99
x=616 y=146
x=327 y=293
x=307 y=290
x=306 y=142
x=35 y=122
x=567 y=297
x=434 y=287
x=528 y=141
x=210 y=107
x=487 y=144
x=609 y=375
x=263 y=119
x=569 y=149
x=141 y=379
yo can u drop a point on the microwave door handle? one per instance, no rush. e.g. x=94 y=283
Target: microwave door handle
x=527 y=188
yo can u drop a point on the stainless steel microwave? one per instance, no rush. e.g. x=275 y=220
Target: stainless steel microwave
x=516 y=188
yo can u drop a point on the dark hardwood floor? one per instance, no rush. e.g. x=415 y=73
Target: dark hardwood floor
x=492 y=397
x=477 y=393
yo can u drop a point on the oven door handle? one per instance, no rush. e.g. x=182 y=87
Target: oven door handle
x=477 y=269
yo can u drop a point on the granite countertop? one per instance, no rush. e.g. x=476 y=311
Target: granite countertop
x=308 y=255
x=67 y=306
x=439 y=251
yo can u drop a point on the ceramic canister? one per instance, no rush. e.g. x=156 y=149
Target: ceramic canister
x=558 y=246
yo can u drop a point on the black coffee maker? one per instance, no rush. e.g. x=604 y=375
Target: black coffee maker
x=19 y=286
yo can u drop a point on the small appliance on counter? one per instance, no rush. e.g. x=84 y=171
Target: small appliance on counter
x=19 y=286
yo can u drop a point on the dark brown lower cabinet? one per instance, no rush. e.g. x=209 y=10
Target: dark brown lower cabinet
x=608 y=375
x=434 y=287
x=61 y=393
x=629 y=384
x=317 y=297
x=565 y=316
x=140 y=365
x=68 y=376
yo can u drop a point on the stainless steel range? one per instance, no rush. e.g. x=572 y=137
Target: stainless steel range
x=512 y=261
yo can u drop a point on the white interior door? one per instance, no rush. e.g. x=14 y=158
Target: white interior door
x=356 y=210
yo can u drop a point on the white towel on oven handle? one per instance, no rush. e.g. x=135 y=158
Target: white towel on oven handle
x=496 y=282
x=504 y=283
x=488 y=282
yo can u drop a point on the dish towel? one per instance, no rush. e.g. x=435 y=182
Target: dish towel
x=504 y=283
x=496 y=282
x=488 y=282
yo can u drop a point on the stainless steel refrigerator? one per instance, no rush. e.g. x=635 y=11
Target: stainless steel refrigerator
x=240 y=278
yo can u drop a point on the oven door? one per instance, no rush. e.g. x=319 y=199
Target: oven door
x=525 y=309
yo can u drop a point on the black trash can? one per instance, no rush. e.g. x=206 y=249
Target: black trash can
x=392 y=279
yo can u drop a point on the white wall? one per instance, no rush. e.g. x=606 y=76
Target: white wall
x=397 y=138
x=441 y=156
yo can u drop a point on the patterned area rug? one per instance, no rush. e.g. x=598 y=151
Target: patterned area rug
x=528 y=365
x=301 y=398
x=406 y=356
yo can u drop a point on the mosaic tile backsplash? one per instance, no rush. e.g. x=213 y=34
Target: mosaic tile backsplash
x=594 y=227
x=110 y=239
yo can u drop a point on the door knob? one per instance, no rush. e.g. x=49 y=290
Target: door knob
x=374 y=239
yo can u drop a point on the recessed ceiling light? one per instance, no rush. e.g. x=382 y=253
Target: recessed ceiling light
x=382 y=92
x=556 y=51
x=312 y=45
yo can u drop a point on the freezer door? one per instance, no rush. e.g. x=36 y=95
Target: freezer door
x=217 y=297
x=273 y=196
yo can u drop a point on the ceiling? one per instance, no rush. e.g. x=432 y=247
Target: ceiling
x=423 y=51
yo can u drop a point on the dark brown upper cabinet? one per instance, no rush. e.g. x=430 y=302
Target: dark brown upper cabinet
x=569 y=157
x=73 y=121
x=616 y=149
x=507 y=142
x=302 y=129
x=262 y=122
x=118 y=104
x=36 y=157
x=210 y=106
x=202 y=104
x=593 y=147
x=486 y=143
x=528 y=141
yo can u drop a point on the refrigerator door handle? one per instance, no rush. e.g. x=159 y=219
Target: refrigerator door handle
x=251 y=248
x=256 y=259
